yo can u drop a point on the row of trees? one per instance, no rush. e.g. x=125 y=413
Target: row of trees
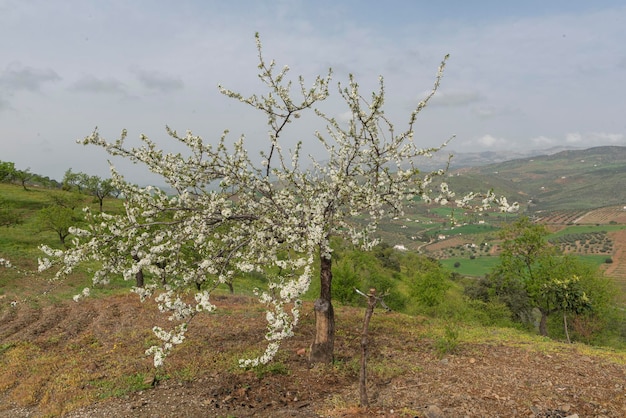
x=95 y=186
x=61 y=213
x=10 y=174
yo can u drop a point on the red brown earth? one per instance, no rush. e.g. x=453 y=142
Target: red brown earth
x=59 y=359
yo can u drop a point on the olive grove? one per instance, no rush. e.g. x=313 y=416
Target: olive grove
x=273 y=214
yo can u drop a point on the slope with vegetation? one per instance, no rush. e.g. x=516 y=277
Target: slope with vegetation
x=436 y=348
x=568 y=180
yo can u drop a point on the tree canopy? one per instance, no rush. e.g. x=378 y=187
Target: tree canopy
x=233 y=214
x=533 y=274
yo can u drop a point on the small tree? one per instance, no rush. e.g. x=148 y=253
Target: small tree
x=7 y=171
x=430 y=284
x=74 y=181
x=23 y=177
x=536 y=275
x=9 y=215
x=274 y=216
x=569 y=297
x=58 y=219
x=99 y=188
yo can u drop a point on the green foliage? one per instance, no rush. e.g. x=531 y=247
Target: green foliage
x=387 y=287
x=491 y=313
x=406 y=279
x=500 y=289
x=58 y=219
x=532 y=275
x=449 y=341
x=7 y=171
x=9 y=214
x=387 y=256
x=363 y=270
x=345 y=279
x=429 y=283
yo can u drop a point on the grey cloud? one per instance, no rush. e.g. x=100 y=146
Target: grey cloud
x=543 y=141
x=4 y=104
x=92 y=84
x=17 y=77
x=455 y=98
x=158 y=81
x=485 y=112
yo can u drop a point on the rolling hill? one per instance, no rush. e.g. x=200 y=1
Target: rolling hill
x=573 y=179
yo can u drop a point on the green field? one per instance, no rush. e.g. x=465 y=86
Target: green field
x=479 y=266
x=582 y=229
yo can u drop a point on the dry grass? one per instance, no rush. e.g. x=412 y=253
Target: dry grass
x=88 y=358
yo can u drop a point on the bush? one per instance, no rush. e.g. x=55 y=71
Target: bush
x=387 y=287
x=449 y=341
x=489 y=314
x=608 y=260
x=346 y=279
x=429 y=287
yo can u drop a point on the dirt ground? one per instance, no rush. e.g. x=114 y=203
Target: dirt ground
x=91 y=341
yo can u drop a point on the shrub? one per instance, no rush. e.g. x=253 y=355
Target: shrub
x=449 y=341
x=429 y=287
x=491 y=313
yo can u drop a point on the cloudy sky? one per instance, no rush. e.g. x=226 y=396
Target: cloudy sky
x=529 y=74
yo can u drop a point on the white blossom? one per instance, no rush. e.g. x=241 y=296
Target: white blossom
x=231 y=214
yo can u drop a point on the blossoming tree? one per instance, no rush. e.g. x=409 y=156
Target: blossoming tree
x=233 y=214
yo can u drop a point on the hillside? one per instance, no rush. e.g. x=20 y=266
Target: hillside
x=574 y=179
x=85 y=360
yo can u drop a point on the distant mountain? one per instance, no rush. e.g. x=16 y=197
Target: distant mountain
x=478 y=159
x=567 y=179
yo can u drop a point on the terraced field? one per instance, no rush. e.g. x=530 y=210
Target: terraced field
x=616 y=214
x=617 y=269
x=597 y=233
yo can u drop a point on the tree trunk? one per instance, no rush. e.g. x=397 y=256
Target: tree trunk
x=543 y=324
x=565 y=326
x=139 y=278
x=371 y=303
x=139 y=282
x=323 y=346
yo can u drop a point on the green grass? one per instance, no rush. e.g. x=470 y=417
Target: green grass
x=468 y=267
x=594 y=260
x=474 y=229
x=585 y=229
x=483 y=265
